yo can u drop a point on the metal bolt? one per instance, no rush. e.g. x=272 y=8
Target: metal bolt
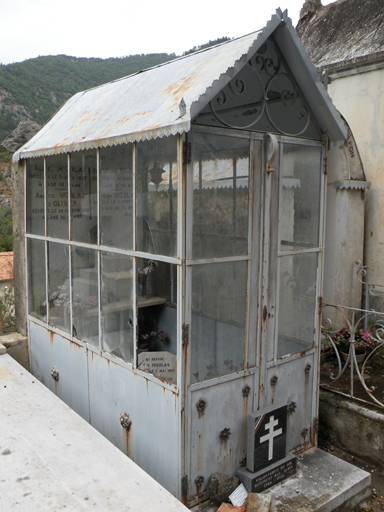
x=291 y=407
x=246 y=390
x=224 y=434
x=55 y=373
x=307 y=368
x=125 y=420
x=274 y=380
x=199 y=480
x=201 y=405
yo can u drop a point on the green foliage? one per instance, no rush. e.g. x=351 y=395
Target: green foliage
x=7 y=311
x=207 y=45
x=5 y=155
x=6 y=230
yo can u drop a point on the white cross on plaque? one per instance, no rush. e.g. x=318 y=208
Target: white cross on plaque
x=270 y=426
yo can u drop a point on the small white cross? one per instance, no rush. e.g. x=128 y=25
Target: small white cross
x=271 y=435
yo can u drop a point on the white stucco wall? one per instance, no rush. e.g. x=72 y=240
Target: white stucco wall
x=360 y=99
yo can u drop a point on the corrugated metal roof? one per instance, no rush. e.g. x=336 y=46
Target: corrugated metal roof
x=162 y=100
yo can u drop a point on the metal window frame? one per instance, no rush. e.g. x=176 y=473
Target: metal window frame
x=177 y=260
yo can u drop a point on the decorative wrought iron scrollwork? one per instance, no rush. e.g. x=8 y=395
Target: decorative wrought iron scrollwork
x=353 y=326
x=262 y=89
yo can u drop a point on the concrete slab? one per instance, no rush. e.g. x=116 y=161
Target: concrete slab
x=51 y=459
x=323 y=483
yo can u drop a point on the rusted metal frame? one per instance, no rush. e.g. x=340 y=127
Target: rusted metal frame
x=290 y=357
x=320 y=262
x=217 y=381
x=26 y=298
x=98 y=252
x=134 y=261
x=254 y=292
x=69 y=238
x=106 y=248
x=299 y=141
x=225 y=131
x=301 y=251
x=273 y=279
x=46 y=243
x=187 y=272
x=225 y=259
x=266 y=177
x=183 y=323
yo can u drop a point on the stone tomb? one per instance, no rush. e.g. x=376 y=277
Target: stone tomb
x=267 y=460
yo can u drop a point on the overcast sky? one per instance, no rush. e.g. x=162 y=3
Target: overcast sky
x=116 y=28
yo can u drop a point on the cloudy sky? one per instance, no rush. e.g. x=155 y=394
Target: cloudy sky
x=116 y=28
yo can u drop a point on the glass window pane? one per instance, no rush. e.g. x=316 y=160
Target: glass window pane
x=220 y=196
x=37 y=305
x=116 y=305
x=301 y=195
x=297 y=303
x=116 y=197
x=156 y=196
x=157 y=318
x=35 y=196
x=85 y=295
x=57 y=196
x=218 y=319
x=58 y=286
x=84 y=196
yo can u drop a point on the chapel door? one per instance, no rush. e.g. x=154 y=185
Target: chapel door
x=291 y=286
x=254 y=210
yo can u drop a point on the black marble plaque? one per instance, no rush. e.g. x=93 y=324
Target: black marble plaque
x=266 y=437
x=265 y=478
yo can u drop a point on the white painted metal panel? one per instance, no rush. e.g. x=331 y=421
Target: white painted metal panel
x=154 y=436
x=49 y=350
x=228 y=403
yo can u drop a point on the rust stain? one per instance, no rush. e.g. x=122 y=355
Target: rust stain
x=127 y=440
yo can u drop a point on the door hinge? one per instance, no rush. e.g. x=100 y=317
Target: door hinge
x=187 y=150
x=185 y=334
x=184 y=486
x=325 y=170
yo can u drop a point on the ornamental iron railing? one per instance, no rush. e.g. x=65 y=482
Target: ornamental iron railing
x=362 y=329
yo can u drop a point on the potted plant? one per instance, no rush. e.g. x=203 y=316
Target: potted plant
x=364 y=342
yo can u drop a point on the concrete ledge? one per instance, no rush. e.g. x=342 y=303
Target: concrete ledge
x=16 y=345
x=353 y=428
x=51 y=459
